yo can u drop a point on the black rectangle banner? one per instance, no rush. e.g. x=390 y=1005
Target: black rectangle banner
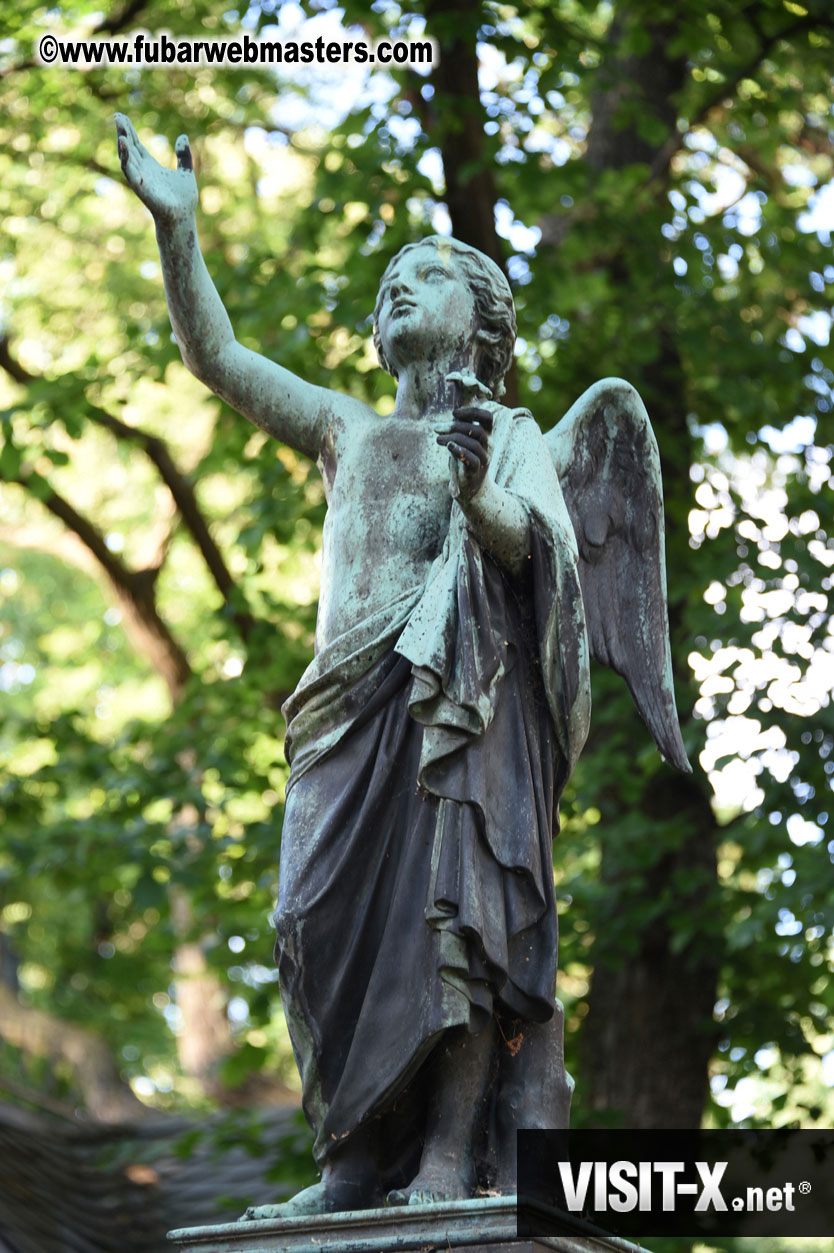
x=638 y=1184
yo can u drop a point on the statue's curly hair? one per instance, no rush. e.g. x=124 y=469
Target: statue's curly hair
x=493 y=306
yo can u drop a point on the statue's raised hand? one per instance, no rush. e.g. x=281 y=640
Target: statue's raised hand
x=171 y=195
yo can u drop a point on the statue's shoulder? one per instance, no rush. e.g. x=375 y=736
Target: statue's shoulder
x=346 y=417
x=518 y=421
x=502 y=412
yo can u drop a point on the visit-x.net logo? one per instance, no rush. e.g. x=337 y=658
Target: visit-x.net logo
x=638 y=1184
x=624 y=1186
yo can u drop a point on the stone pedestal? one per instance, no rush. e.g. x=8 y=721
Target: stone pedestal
x=485 y=1225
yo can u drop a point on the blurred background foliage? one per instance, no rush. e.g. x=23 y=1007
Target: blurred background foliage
x=657 y=180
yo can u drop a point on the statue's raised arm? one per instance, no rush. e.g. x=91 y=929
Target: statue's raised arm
x=469 y=568
x=264 y=392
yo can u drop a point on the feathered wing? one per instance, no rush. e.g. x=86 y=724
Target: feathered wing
x=606 y=457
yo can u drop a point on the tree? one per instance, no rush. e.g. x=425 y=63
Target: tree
x=645 y=174
x=155 y=805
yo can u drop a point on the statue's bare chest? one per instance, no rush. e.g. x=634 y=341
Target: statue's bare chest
x=391 y=488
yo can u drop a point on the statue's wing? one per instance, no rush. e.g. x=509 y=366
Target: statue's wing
x=606 y=457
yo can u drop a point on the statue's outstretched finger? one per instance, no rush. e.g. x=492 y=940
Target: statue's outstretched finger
x=130 y=147
x=473 y=414
x=126 y=131
x=473 y=431
x=465 y=443
x=121 y=140
x=460 y=454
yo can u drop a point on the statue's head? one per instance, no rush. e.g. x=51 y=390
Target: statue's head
x=494 y=328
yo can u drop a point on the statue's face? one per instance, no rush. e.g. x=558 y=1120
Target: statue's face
x=427 y=308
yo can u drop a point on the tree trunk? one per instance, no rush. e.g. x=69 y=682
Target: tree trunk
x=649 y=1034
x=106 y=1096
x=205 y=1040
x=470 y=188
x=457 y=120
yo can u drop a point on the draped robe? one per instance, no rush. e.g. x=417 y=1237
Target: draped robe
x=428 y=746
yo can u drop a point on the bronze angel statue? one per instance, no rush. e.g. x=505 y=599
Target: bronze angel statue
x=471 y=566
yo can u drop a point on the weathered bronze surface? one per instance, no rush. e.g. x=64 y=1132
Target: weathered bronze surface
x=487 y=1225
x=470 y=568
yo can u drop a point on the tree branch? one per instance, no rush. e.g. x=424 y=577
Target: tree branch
x=11 y=364
x=117 y=22
x=176 y=482
x=111 y=25
x=185 y=498
x=115 y=569
x=134 y=590
x=728 y=88
x=63 y=544
x=106 y=1095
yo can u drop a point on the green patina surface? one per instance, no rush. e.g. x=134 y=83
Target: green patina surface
x=438 y=515
x=487 y=1223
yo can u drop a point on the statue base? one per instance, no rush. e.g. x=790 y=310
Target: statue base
x=483 y=1225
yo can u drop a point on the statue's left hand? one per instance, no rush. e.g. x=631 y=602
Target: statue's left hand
x=467 y=439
